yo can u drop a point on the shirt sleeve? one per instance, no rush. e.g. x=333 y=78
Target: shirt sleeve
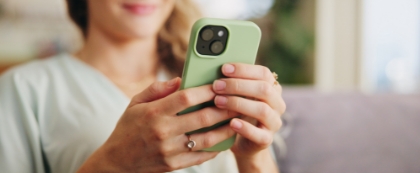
x=20 y=146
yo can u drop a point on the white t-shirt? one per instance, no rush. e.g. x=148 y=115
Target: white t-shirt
x=55 y=113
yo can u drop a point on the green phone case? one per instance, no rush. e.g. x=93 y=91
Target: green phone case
x=242 y=46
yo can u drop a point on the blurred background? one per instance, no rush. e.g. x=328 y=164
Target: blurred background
x=329 y=44
x=350 y=69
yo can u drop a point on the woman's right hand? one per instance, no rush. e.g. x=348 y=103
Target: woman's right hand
x=150 y=137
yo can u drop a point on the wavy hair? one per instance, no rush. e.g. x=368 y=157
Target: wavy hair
x=173 y=37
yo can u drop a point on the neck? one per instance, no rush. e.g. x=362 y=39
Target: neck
x=121 y=60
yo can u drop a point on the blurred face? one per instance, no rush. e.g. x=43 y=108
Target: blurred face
x=129 y=19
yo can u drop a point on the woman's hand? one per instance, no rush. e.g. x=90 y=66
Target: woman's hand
x=263 y=103
x=149 y=137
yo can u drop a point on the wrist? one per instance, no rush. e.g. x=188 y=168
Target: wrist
x=253 y=155
x=261 y=161
x=99 y=161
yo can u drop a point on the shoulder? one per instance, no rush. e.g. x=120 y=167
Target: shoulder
x=35 y=71
x=22 y=90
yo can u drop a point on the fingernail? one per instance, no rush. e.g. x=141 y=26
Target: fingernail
x=236 y=124
x=219 y=85
x=220 y=100
x=172 y=82
x=228 y=68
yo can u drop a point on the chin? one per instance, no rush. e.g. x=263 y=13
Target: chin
x=145 y=27
x=131 y=19
x=141 y=32
x=144 y=35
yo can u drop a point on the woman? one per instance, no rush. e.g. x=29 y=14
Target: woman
x=69 y=113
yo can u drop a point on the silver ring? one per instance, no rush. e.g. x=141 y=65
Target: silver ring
x=191 y=144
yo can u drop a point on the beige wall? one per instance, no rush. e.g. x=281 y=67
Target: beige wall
x=338 y=44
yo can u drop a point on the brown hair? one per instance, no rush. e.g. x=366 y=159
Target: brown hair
x=173 y=36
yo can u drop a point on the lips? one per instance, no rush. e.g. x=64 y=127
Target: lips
x=140 y=9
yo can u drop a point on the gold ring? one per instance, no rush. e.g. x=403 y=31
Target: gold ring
x=191 y=144
x=275 y=78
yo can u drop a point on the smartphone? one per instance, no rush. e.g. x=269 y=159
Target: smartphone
x=214 y=42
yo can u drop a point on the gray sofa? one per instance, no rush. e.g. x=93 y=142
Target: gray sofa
x=352 y=133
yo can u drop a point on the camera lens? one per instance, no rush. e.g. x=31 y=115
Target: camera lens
x=207 y=34
x=216 y=47
x=220 y=33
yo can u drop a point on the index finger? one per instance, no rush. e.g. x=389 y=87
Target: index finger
x=203 y=118
x=183 y=99
x=248 y=71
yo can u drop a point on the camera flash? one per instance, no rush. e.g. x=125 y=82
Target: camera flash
x=220 y=33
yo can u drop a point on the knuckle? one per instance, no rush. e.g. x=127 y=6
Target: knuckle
x=266 y=89
x=170 y=166
x=160 y=133
x=152 y=111
x=237 y=103
x=164 y=150
x=265 y=110
x=154 y=88
x=208 y=141
x=185 y=98
x=266 y=141
x=236 y=86
x=204 y=118
x=266 y=73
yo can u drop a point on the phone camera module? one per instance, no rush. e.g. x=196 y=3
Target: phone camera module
x=207 y=34
x=212 y=40
x=216 y=47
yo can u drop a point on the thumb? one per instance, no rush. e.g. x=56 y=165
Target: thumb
x=156 y=91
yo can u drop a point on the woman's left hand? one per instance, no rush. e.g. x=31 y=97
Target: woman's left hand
x=251 y=91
